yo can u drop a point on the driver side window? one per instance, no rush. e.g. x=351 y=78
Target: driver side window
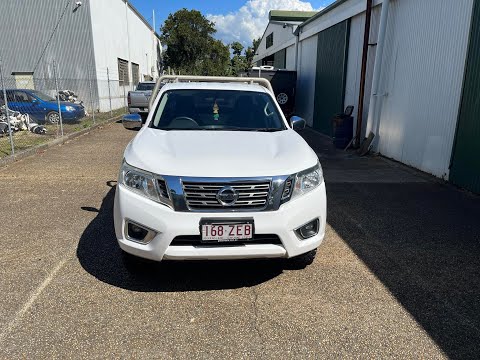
x=22 y=97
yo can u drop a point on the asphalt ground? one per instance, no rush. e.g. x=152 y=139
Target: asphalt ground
x=396 y=277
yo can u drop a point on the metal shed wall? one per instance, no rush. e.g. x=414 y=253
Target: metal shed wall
x=282 y=38
x=465 y=169
x=304 y=100
x=28 y=30
x=290 y=58
x=330 y=75
x=354 y=63
x=30 y=43
x=421 y=81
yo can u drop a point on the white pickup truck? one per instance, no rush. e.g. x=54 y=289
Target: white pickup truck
x=217 y=172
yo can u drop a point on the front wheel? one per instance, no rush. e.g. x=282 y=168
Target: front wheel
x=136 y=265
x=302 y=261
x=53 y=118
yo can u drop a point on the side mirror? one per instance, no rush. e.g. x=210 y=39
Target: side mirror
x=132 y=121
x=297 y=123
x=34 y=101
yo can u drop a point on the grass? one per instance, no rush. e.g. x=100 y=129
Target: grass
x=23 y=140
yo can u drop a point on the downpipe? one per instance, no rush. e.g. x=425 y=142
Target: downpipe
x=363 y=74
x=373 y=121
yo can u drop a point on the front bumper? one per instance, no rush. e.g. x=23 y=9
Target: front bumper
x=170 y=224
x=73 y=115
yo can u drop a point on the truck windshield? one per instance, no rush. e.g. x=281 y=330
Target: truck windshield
x=228 y=110
x=145 y=86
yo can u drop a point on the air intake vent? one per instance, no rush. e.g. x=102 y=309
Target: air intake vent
x=162 y=186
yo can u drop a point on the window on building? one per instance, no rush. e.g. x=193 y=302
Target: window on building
x=269 y=60
x=123 y=77
x=135 y=74
x=23 y=80
x=269 y=40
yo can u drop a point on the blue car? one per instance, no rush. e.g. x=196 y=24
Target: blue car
x=41 y=107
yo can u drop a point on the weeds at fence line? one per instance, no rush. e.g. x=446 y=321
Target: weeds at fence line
x=38 y=107
x=25 y=140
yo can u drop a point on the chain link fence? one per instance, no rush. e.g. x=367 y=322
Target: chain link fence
x=38 y=107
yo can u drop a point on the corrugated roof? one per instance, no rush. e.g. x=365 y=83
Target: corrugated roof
x=286 y=15
x=322 y=12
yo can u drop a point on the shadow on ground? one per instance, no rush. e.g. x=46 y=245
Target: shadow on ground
x=99 y=254
x=422 y=240
x=419 y=236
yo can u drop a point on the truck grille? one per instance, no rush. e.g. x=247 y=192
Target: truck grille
x=203 y=196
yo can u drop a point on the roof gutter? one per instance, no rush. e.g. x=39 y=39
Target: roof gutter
x=323 y=12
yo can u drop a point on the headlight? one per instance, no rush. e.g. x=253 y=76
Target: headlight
x=144 y=183
x=69 y=108
x=307 y=180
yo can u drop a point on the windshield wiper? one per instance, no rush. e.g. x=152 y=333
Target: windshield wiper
x=267 y=129
x=251 y=129
x=226 y=128
x=178 y=129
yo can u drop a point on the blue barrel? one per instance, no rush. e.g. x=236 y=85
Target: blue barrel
x=342 y=130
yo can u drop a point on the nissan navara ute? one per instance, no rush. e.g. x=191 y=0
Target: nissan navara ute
x=217 y=172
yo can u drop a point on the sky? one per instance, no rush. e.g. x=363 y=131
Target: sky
x=235 y=20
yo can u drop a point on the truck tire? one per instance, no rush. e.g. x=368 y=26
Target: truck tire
x=302 y=261
x=134 y=264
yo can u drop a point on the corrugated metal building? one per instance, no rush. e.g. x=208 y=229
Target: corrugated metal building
x=418 y=62
x=83 y=40
x=277 y=46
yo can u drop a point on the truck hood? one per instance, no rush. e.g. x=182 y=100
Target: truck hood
x=219 y=153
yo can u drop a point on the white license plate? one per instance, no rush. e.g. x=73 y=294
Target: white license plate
x=227 y=232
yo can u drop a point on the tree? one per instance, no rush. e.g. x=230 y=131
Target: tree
x=216 y=64
x=256 y=44
x=238 y=65
x=237 y=48
x=249 y=54
x=191 y=48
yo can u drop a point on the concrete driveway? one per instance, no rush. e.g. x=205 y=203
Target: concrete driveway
x=397 y=276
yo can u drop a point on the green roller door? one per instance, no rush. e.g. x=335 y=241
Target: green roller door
x=465 y=169
x=330 y=76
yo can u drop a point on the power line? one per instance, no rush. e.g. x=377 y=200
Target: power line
x=52 y=34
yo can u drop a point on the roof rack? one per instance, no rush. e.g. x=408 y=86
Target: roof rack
x=186 y=78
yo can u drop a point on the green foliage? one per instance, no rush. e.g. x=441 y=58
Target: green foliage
x=191 y=48
x=249 y=54
x=238 y=65
x=217 y=63
x=256 y=44
x=237 y=48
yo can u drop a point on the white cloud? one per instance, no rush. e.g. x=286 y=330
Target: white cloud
x=249 y=22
